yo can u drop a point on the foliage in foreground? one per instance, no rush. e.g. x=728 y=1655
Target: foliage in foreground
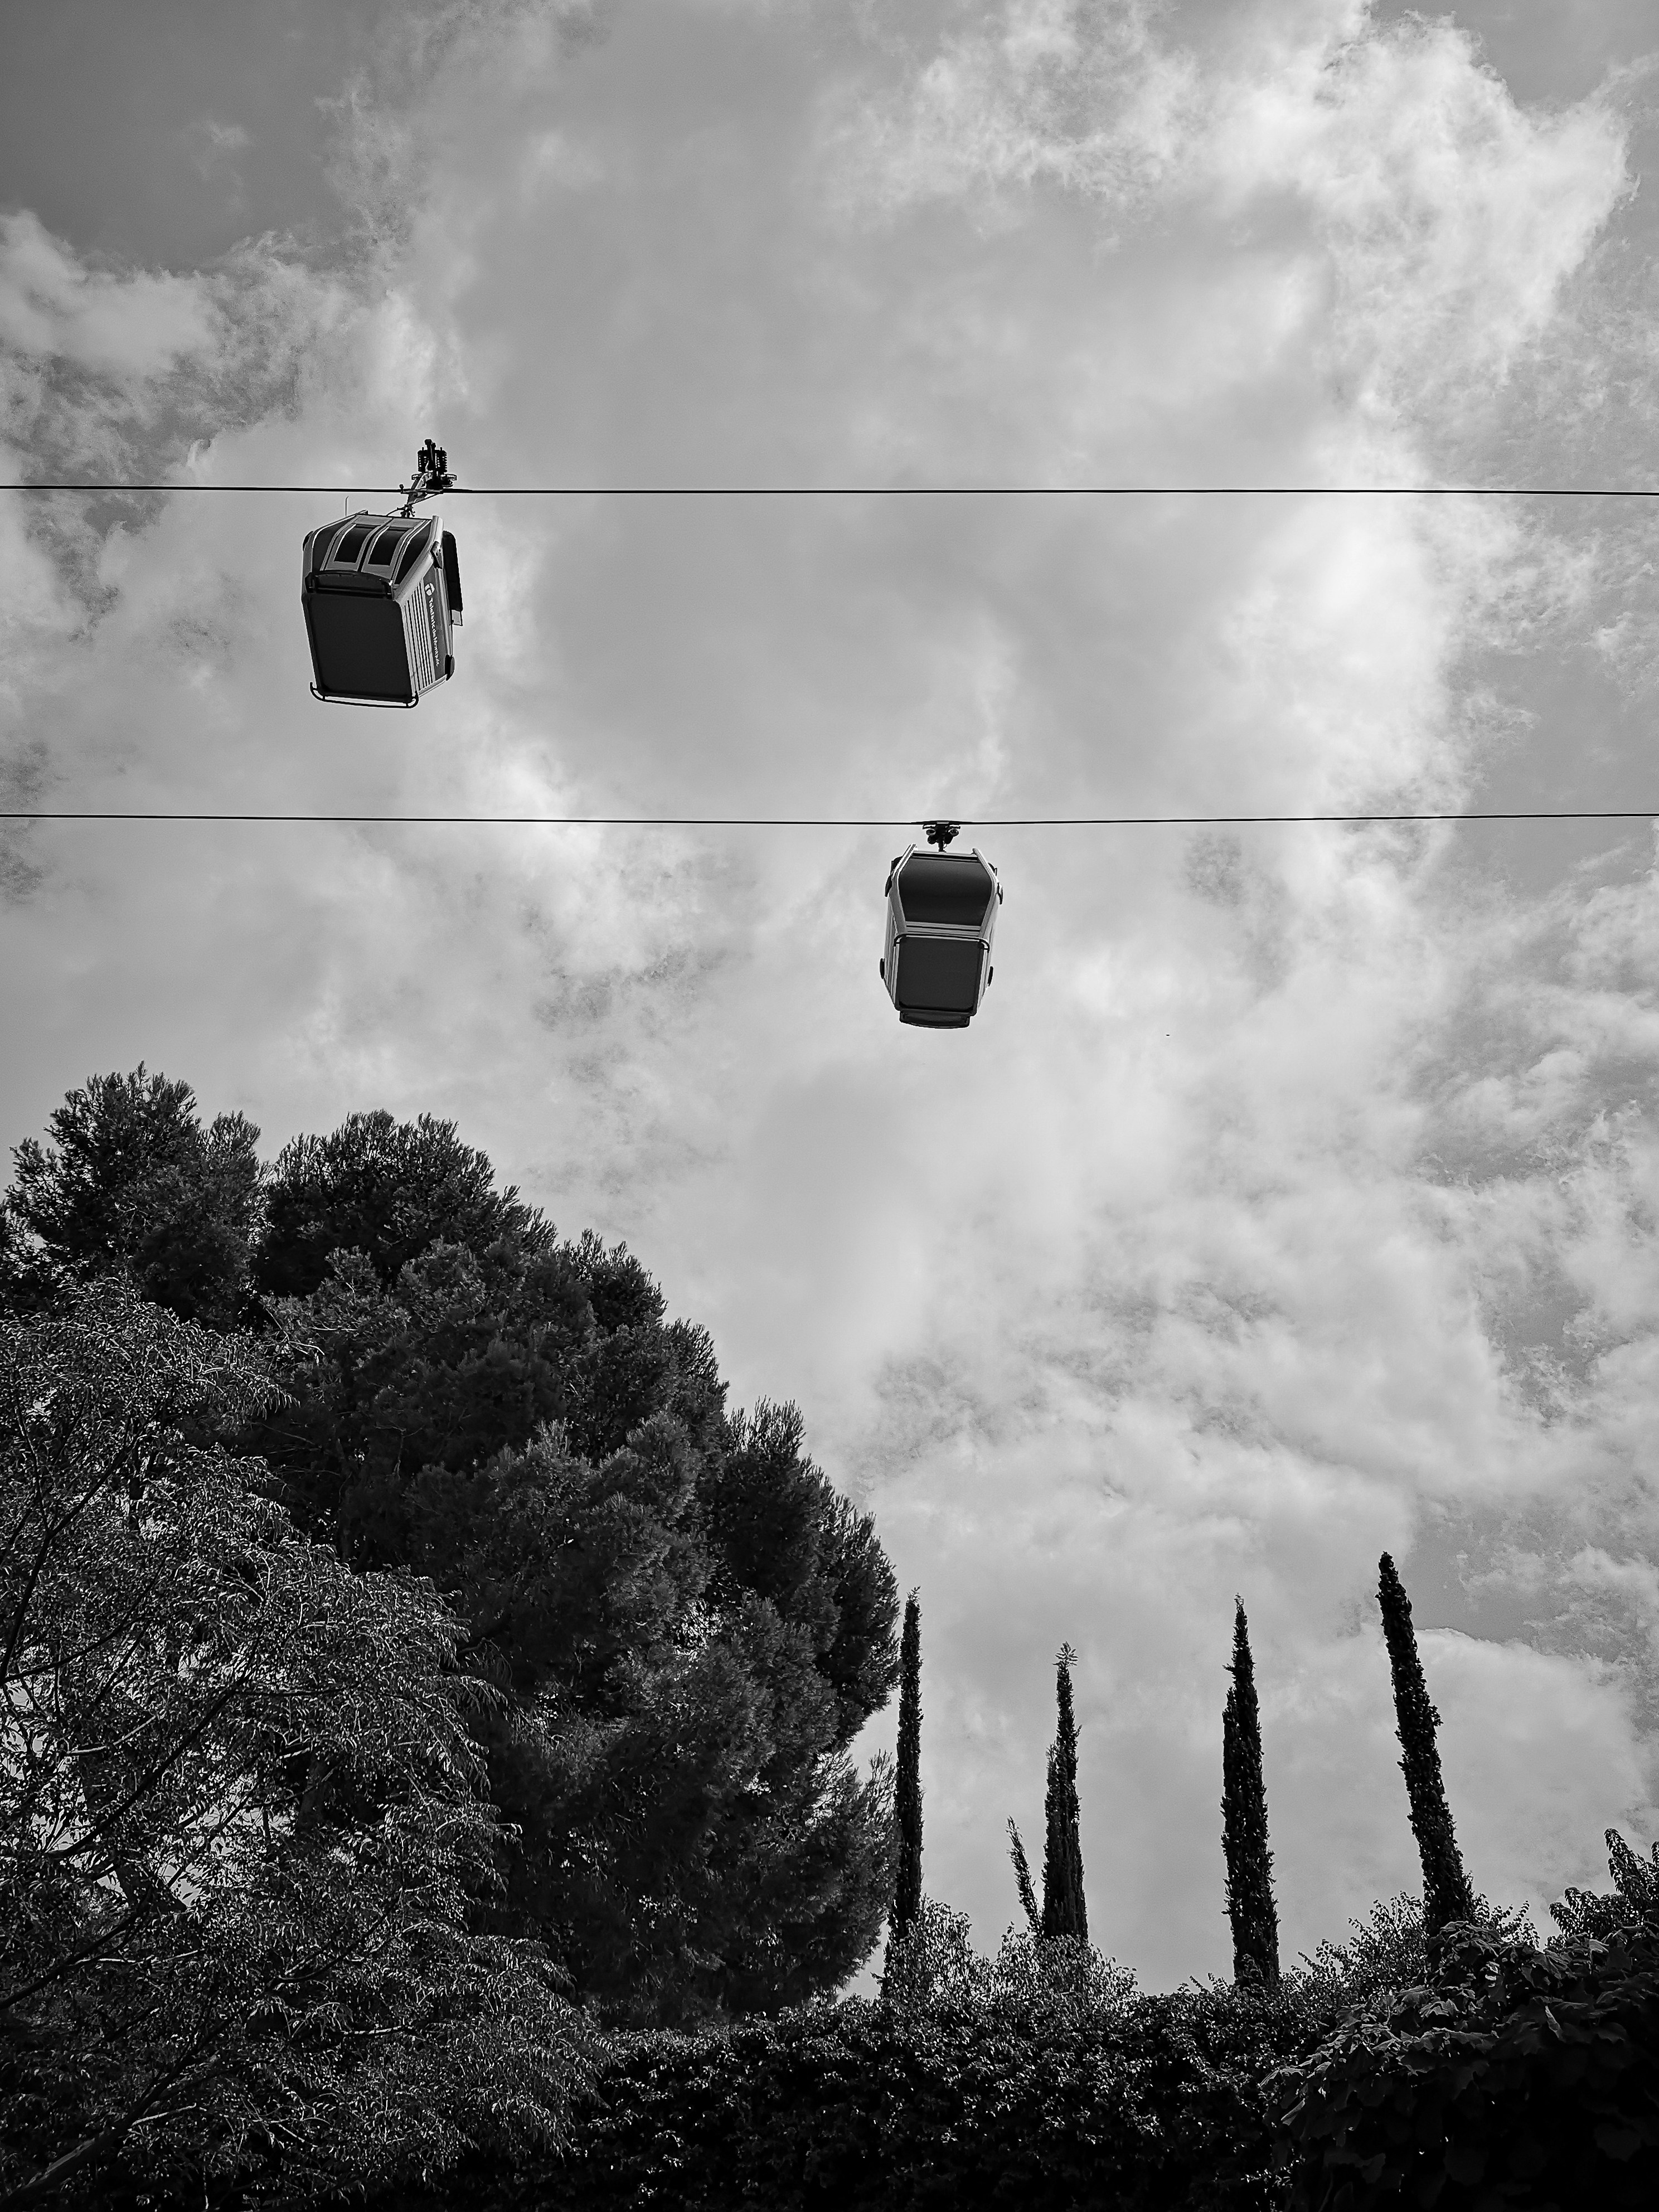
x=238 y=1827
x=1475 y=2070
x=867 y=2109
x=1513 y=2076
x=1042 y=2077
x=1038 y=2078
x=1504 y=2075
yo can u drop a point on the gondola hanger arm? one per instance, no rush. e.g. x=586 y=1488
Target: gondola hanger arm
x=432 y=476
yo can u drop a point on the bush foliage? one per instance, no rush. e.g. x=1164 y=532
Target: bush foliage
x=1513 y=2076
x=1470 y=2071
x=1039 y=2077
x=870 y=2109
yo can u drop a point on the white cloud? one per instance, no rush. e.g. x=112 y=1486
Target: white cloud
x=1293 y=1196
x=52 y=308
x=1041 y=90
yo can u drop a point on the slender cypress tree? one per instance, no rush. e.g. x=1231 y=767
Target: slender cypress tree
x=1023 y=1878
x=1074 y=1816
x=1056 y=1860
x=1251 y=1905
x=1064 y=1911
x=1447 y=1894
x=907 y=1890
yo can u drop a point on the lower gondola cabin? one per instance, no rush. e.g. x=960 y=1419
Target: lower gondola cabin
x=382 y=599
x=941 y=923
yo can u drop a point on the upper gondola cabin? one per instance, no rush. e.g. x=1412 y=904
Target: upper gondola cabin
x=941 y=921
x=382 y=599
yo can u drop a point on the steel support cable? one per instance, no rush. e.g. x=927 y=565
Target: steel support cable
x=885 y=491
x=853 y=491
x=828 y=821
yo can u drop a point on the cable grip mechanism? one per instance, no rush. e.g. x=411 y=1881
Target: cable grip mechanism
x=940 y=834
x=431 y=475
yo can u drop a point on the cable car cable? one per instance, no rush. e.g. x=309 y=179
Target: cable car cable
x=829 y=821
x=891 y=491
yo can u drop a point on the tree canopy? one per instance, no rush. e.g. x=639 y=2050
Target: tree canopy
x=239 y=1807
x=684 y=1624
x=131 y=1184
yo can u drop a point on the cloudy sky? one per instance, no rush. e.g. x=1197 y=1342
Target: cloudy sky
x=1297 y=1193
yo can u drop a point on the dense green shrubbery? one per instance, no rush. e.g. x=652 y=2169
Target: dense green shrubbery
x=1040 y=2079
x=933 y=1967
x=1470 y=2071
x=1514 y=2076
x=867 y=2109
x=1497 y=2074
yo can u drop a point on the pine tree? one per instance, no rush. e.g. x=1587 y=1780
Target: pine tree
x=129 y=1184
x=907 y=1891
x=1447 y=1894
x=514 y=1418
x=1064 y=1911
x=1251 y=1905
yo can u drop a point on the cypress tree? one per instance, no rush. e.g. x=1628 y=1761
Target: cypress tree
x=1023 y=1878
x=1447 y=1894
x=1055 y=1858
x=1064 y=1913
x=907 y=1891
x=1251 y=1905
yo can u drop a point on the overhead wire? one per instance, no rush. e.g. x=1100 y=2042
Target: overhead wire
x=850 y=491
x=882 y=491
x=825 y=821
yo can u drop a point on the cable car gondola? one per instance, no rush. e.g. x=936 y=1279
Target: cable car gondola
x=382 y=599
x=941 y=919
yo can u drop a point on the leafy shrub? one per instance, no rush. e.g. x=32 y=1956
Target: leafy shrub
x=1041 y=1979
x=933 y=1965
x=1634 y=1902
x=1389 y=1950
x=1514 y=2076
x=932 y=1962
x=1124 y=2104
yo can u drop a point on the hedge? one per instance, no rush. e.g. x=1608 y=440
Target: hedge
x=862 y=2109
x=1505 y=2076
